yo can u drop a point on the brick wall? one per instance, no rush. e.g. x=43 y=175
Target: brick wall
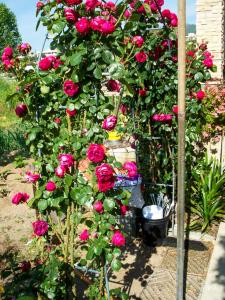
x=210 y=27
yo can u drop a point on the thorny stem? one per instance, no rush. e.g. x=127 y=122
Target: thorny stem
x=121 y=15
x=67 y=234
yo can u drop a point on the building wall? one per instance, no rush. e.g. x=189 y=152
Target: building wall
x=210 y=28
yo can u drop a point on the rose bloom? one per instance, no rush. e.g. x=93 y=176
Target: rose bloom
x=71 y=113
x=96 y=23
x=50 y=186
x=138 y=41
x=70 y=88
x=124 y=209
x=110 y=6
x=25 y=266
x=91 y=4
x=203 y=47
x=142 y=92
x=127 y=14
x=200 y=95
x=104 y=186
x=190 y=53
x=141 y=57
x=109 y=123
x=98 y=207
x=166 y=13
x=45 y=64
x=21 y=110
x=96 y=153
x=113 y=85
x=73 y=2
x=173 y=20
x=40 y=227
x=39 y=5
x=153 y=5
x=66 y=160
x=20 y=198
x=208 y=62
x=131 y=167
x=107 y=27
x=32 y=177
x=84 y=235
x=71 y=15
x=123 y=109
x=207 y=54
x=82 y=25
x=175 y=109
x=162 y=117
x=104 y=172
x=60 y=171
x=118 y=239
x=24 y=48
x=8 y=52
x=57 y=120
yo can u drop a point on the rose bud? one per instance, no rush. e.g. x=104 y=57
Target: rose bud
x=84 y=235
x=60 y=171
x=70 y=88
x=200 y=95
x=50 y=186
x=118 y=239
x=21 y=110
x=98 y=207
x=71 y=113
x=109 y=123
x=131 y=168
x=138 y=41
x=114 y=85
x=82 y=25
x=141 y=57
x=40 y=227
x=71 y=15
x=57 y=120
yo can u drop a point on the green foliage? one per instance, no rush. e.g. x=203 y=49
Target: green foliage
x=9 y=34
x=207 y=198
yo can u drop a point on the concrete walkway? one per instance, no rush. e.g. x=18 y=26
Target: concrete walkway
x=214 y=288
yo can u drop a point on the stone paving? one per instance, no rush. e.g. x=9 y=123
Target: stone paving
x=150 y=273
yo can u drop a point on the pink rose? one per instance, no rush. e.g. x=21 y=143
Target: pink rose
x=45 y=64
x=21 y=110
x=71 y=15
x=60 y=171
x=98 y=207
x=70 y=88
x=39 y=5
x=175 y=109
x=8 y=52
x=96 y=23
x=84 y=235
x=190 y=53
x=50 y=186
x=71 y=113
x=91 y=4
x=66 y=160
x=40 y=227
x=162 y=117
x=200 y=95
x=113 y=85
x=138 y=41
x=32 y=177
x=208 y=62
x=142 y=92
x=110 y=6
x=104 y=186
x=57 y=120
x=166 y=13
x=155 y=4
x=173 y=20
x=82 y=25
x=104 y=172
x=73 y=2
x=107 y=27
x=131 y=167
x=207 y=54
x=24 y=48
x=127 y=14
x=124 y=209
x=20 y=198
x=141 y=57
x=109 y=123
x=118 y=239
x=96 y=153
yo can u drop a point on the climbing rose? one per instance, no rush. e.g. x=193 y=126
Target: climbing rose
x=25 y=266
x=118 y=239
x=57 y=120
x=71 y=15
x=203 y=47
x=162 y=117
x=71 y=113
x=96 y=23
x=107 y=27
x=60 y=171
x=131 y=167
x=98 y=207
x=50 y=186
x=20 y=198
x=91 y=4
x=21 y=110
x=141 y=57
x=96 y=153
x=208 y=62
x=45 y=64
x=138 y=41
x=113 y=85
x=40 y=227
x=82 y=25
x=110 y=6
x=8 y=52
x=200 y=95
x=70 y=88
x=109 y=123
x=104 y=186
x=124 y=209
x=73 y=2
x=142 y=92
x=104 y=172
x=32 y=177
x=173 y=20
x=175 y=109
x=123 y=109
x=166 y=13
x=127 y=14
x=84 y=235
x=24 y=48
x=66 y=160
x=39 y=5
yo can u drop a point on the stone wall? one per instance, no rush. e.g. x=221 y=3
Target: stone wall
x=210 y=27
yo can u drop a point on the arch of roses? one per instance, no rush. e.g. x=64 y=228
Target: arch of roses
x=130 y=48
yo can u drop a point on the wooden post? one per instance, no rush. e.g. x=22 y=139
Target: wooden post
x=181 y=146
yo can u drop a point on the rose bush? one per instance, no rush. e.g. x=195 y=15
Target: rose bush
x=129 y=48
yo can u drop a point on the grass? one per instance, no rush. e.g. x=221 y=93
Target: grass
x=11 y=131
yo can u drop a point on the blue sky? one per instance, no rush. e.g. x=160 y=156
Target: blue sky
x=25 y=13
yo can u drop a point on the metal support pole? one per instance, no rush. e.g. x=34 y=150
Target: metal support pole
x=181 y=146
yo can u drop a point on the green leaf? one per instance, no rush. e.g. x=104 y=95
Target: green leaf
x=90 y=253
x=76 y=59
x=109 y=204
x=116 y=70
x=97 y=73
x=107 y=56
x=42 y=204
x=116 y=265
x=68 y=180
x=97 y=250
x=116 y=252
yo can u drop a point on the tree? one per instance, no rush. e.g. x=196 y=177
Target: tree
x=9 y=33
